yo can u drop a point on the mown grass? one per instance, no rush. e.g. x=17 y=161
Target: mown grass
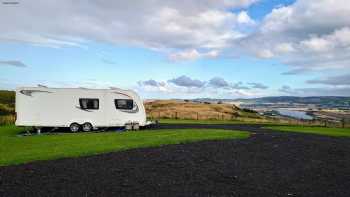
x=15 y=149
x=335 y=132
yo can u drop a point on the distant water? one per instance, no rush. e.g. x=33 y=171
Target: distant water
x=295 y=114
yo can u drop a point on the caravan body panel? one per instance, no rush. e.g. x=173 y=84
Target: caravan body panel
x=59 y=107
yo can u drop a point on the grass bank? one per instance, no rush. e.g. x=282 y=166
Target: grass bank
x=335 y=132
x=16 y=149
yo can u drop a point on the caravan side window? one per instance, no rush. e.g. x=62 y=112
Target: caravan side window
x=89 y=103
x=124 y=104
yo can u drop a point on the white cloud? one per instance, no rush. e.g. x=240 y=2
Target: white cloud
x=317 y=44
x=301 y=32
x=192 y=54
x=212 y=54
x=238 y=3
x=306 y=35
x=340 y=38
x=159 y=24
x=185 y=55
x=265 y=53
x=244 y=18
x=284 y=48
x=305 y=17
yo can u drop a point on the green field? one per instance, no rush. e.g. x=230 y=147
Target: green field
x=16 y=149
x=335 y=132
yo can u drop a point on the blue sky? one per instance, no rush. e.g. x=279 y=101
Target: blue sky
x=227 y=49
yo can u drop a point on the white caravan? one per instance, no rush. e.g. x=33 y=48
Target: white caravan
x=79 y=108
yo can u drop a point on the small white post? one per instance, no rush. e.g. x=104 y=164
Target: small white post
x=38 y=131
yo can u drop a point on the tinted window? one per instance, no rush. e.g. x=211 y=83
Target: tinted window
x=124 y=103
x=87 y=103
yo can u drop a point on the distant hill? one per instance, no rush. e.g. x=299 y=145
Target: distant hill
x=318 y=100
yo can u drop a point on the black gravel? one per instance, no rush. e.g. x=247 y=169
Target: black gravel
x=266 y=164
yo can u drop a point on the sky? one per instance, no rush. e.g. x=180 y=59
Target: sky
x=179 y=48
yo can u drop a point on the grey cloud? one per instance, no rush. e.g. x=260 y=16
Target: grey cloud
x=215 y=82
x=296 y=71
x=13 y=63
x=334 y=80
x=287 y=89
x=258 y=86
x=239 y=86
x=187 y=82
x=151 y=82
x=218 y=82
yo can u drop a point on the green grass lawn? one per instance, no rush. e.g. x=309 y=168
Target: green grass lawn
x=335 y=132
x=15 y=149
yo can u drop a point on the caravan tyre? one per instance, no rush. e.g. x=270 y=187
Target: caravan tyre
x=74 y=127
x=87 y=127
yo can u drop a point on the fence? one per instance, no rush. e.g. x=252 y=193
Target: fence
x=191 y=115
x=342 y=123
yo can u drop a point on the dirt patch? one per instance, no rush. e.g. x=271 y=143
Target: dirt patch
x=266 y=164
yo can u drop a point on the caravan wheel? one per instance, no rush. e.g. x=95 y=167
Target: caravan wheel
x=87 y=127
x=74 y=127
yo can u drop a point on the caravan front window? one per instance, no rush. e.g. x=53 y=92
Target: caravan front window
x=89 y=103
x=124 y=104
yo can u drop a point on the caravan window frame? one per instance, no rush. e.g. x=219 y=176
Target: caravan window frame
x=124 y=108
x=89 y=99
